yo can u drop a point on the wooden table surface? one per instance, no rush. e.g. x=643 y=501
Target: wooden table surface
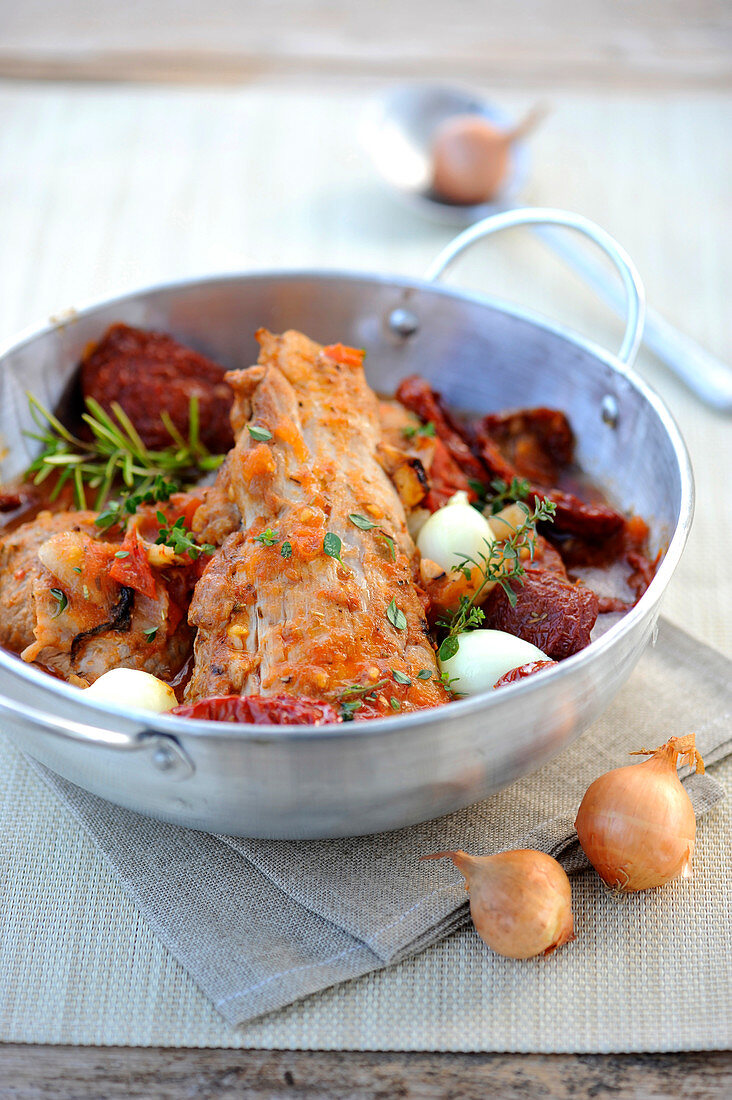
x=683 y=46
x=72 y=1073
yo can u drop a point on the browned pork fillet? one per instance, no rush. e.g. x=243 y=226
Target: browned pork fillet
x=20 y=566
x=303 y=601
x=60 y=608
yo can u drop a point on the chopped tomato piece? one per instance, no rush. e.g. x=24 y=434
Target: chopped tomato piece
x=341 y=353
x=131 y=567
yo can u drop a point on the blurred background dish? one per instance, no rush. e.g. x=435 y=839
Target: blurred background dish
x=398 y=132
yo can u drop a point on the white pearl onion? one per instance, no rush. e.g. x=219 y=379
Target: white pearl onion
x=484 y=656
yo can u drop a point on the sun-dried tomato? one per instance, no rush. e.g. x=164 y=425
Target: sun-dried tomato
x=445 y=479
x=416 y=394
x=522 y=672
x=262 y=710
x=148 y=373
x=551 y=613
x=130 y=566
x=538 y=442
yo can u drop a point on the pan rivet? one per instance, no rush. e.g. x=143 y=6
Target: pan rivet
x=609 y=410
x=164 y=759
x=403 y=322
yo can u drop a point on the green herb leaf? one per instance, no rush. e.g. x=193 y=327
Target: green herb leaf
x=449 y=647
x=366 y=691
x=268 y=537
x=77 y=569
x=286 y=550
x=61 y=601
x=151 y=634
x=424 y=674
x=180 y=539
x=396 y=616
x=122 y=554
x=395 y=704
x=362 y=522
x=258 y=433
x=412 y=430
x=332 y=546
x=389 y=542
x=448 y=681
x=477 y=487
x=400 y=677
x=502 y=493
x=115 y=453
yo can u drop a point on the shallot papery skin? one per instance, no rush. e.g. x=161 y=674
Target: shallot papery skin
x=636 y=824
x=520 y=901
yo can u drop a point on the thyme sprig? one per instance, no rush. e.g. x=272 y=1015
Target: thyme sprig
x=500 y=493
x=179 y=538
x=114 y=454
x=352 y=697
x=117 y=511
x=501 y=564
x=427 y=430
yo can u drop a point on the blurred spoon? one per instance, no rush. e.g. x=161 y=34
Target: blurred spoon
x=398 y=132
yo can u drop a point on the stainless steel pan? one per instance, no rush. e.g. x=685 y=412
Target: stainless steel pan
x=365 y=777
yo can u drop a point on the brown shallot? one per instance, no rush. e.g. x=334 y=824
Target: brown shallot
x=520 y=901
x=636 y=824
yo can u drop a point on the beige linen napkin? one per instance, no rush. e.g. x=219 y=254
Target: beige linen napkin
x=260 y=924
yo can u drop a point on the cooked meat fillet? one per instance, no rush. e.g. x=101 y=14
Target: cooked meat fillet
x=60 y=606
x=20 y=567
x=276 y=612
x=217 y=516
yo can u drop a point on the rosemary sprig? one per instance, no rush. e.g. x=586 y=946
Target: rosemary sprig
x=114 y=454
x=501 y=564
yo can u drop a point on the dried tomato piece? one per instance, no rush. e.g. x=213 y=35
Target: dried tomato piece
x=539 y=442
x=547 y=558
x=416 y=394
x=522 y=672
x=262 y=710
x=578 y=517
x=550 y=613
x=10 y=501
x=148 y=373
x=445 y=479
x=496 y=465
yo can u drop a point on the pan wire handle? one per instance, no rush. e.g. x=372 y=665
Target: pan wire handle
x=508 y=219
x=166 y=754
